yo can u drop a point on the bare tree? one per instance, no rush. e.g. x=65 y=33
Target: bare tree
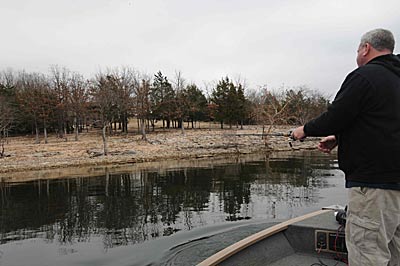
x=142 y=103
x=78 y=100
x=124 y=82
x=8 y=105
x=6 y=120
x=36 y=99
x=304 y=104
x=7 y=80
x=47 y=102
x=269 y=109
x=105 y=102
x=274 y=108
x=180 y=100
x=59 y=81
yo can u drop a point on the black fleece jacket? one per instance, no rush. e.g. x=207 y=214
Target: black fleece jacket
x=365 y=117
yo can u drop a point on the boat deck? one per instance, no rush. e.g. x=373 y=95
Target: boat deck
x=305 y=259
x=296 y=245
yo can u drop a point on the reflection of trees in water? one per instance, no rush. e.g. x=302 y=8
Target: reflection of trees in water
x=134 y=207
x=291 y=181
x=123 y=209
x=293 y=186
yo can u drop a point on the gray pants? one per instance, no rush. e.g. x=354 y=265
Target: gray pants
x=373 y=227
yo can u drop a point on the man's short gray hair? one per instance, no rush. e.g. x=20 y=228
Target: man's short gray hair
x=380 y=39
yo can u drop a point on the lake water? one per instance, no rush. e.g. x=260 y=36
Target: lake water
x=136 y=217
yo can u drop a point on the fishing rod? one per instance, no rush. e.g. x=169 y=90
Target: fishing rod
x=288 y=134
x=273 y=134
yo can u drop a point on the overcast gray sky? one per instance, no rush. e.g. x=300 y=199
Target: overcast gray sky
x=308 y=42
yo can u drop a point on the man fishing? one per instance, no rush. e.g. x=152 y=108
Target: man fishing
x=364 y=121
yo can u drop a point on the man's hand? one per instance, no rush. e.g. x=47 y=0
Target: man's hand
x=327 y=144
x=298 y=133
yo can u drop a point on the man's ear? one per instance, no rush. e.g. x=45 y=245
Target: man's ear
x=367 y=49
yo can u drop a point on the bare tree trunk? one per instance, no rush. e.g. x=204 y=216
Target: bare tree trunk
x=263 y=132
x=65 y=133
x=37 y=133
x=143 y=129
x=266 y=140
x=110 y=129
x=86 y=123
x=103 y=135
x=76 y=128
x=60 y=131
x=2 y=141
x=45 y=133
x=183 y=128
x=126 y=122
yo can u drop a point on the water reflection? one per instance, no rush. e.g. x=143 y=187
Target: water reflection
x=130 y=208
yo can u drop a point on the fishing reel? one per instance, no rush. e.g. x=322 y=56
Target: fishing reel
x=292 y=138
x=341 y=216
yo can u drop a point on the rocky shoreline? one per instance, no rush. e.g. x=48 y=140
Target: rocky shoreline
x=24 y=155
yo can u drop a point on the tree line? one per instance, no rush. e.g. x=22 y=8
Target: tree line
x=64 y=102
